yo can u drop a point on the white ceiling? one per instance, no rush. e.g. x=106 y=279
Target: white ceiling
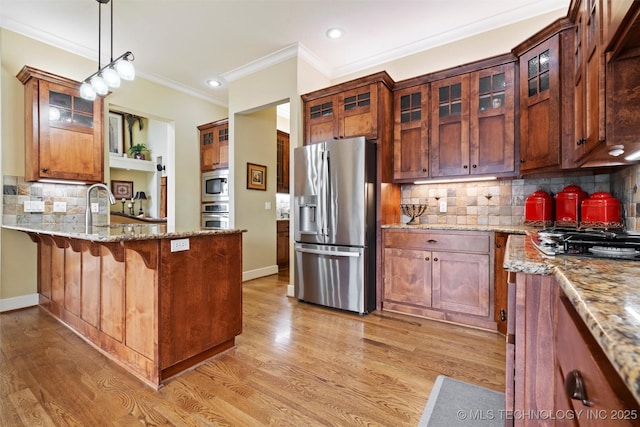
x=182 y=43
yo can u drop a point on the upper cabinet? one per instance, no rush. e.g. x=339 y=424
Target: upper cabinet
x=282 y=163
x=63 y=132
x=214 y=145
x=546 y=99
x=411 y=133
x=589 y=79
x=358 y=108
x=472 y=123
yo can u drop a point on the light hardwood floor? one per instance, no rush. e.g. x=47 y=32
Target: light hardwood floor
x=295 y=364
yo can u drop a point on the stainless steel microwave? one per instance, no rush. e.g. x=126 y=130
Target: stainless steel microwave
x=215 y=186
x=215 y=221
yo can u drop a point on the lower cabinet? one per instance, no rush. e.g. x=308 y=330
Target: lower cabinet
x=282 y=244
x=557 y=374
x=442 y=275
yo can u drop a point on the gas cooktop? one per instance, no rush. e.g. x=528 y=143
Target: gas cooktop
x=592 y=243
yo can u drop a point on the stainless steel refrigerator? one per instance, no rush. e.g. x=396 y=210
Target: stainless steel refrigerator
x=334 y=210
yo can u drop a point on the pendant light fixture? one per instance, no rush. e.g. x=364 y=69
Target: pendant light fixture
x=111 y=74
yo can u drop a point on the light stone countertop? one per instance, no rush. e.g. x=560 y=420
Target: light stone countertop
x=605 y=293
x=115 y=232
x=511 y=229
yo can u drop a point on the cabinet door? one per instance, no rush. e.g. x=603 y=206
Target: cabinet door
x=358 y=112
x=207 y=149
x=321 y=119
x=411 y=133
x=450 y=126
x=491 y=132
x=407 y=276
x=282 y=163
x=70 y=134
x=540 y=106
x=461 y=283
x=221 y=156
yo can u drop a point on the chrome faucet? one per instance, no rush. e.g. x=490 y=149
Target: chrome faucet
x=87 y=213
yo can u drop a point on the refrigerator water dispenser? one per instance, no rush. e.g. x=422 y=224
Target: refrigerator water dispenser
x=306 y=206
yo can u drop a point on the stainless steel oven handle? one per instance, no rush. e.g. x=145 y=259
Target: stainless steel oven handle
x=332 y=253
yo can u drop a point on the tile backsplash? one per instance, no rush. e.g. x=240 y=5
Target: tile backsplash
x=490 y=202
x=16 y=191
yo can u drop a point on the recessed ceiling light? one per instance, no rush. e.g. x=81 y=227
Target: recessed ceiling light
x=335 y=33
x=214 y=83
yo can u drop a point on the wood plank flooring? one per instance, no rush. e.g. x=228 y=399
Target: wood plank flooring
x=295 y=364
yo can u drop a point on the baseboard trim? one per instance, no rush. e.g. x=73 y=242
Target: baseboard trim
x=291 y=291
x=16 y=303
x=259 y=272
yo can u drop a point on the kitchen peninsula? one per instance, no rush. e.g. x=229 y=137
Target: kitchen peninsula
x=572 y=320
x=155 y=301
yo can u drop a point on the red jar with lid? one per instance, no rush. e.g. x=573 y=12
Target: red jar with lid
x=601 y=210
x=568 y=204
x=538 y=209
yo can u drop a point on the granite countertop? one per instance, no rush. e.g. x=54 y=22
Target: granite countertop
x=116 y=232
x=605 y=293
x=511 y=229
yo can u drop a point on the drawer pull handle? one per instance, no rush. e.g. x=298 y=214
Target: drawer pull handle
x=575 y=387
x=432 y=241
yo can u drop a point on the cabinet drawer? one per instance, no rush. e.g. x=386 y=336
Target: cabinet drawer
x=578 y=350
x=440 y=240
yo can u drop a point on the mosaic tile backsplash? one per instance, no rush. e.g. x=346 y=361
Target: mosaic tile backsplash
x=15 y=191
x=493 y=202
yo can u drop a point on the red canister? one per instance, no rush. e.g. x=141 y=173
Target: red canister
x=601 y=210
x=538 y=209
x=568 y=204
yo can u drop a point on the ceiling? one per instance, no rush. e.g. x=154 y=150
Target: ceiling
x=182 y=43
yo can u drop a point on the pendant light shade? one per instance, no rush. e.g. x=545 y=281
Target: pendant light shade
x=87 y=92
x=111 y=74
x=111 y=77
x=125 y=68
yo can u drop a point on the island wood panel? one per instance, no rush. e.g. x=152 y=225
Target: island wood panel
x=141 y=327
x=90 y=280
x=57 y=273
x=189 y=327
x=72 y=273
x=112 y=295
x=44 y=269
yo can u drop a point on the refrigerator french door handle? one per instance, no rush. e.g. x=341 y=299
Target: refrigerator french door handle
x=327 y=209
x=332 y=253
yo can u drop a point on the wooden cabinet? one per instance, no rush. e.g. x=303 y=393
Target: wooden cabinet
x=589 y=78
x=500 y=275
x=440 y=275
x=63 y=133
x=282 y=243
x=214 y=145
x=546 y=100
x=282 y=162
x=579 y=357
x=411 y=133
x=548 y=342
x=472 y=123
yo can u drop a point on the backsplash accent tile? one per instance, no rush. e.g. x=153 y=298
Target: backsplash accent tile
x=491 y=202
x=16 y=191
x=624 y=186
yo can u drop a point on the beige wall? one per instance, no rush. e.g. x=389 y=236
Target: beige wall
x=184 y=112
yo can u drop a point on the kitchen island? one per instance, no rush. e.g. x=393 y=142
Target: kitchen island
x=602 y=298
x=155 y=301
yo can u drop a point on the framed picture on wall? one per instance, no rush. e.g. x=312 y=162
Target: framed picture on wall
x=122 y=189
x=116 y=134
x=256 y=177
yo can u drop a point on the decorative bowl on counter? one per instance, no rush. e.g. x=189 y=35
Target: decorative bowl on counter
x=414 y=212
x=568 y=206
x=601 y=210
x=538 y=210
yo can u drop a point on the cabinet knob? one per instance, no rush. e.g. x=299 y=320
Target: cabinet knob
x=424 y=169
x=498 y=245
x=581 y=141
x=45 y=170
x=432 y=241
x=466 y=167
x=426 y=258
x=435 y=259
x=503 y=315
x=575 y=387
x=474 y=166
x=521 y=160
